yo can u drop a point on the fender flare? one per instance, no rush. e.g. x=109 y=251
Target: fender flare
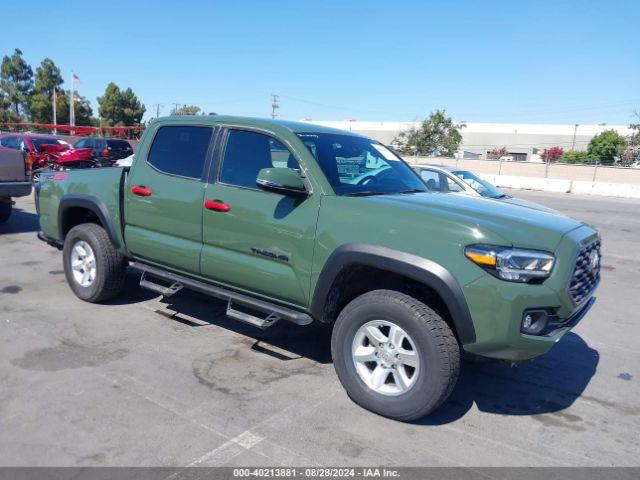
x=417 y=268
x=90 y=202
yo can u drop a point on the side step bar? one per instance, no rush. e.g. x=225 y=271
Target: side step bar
x=262 y=323
x=272 y=311
x=172 y=289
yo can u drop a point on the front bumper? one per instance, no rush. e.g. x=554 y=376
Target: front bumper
x=497 y=307
x=15 y=189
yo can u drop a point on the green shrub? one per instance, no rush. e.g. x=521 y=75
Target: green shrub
x=608 y=147
x=577 y=157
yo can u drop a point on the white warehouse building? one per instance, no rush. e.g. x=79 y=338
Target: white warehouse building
x=521 y=140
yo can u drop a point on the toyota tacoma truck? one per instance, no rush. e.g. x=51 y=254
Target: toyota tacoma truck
x=15 y=180
x=294 y=222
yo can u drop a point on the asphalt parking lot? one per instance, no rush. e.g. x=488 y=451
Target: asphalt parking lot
x=146 y=381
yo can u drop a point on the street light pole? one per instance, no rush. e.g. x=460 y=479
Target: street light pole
x=575 y=131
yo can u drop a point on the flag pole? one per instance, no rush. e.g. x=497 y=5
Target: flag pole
x=55 y=117
x=72 y=116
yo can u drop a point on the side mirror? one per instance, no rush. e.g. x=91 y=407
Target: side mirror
x=286 y=181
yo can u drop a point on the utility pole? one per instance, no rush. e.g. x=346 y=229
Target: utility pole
x=175 y=108
x=274 y=105
x=575 y=131
x=158 y=107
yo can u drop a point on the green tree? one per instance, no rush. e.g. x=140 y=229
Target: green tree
x=607 y=147
x=82 y=109
x=436 y=136
x=47 y=78
x=118 y=107
x=576 y=157
x=16 y=81
x=5 y=108
x=632 y=152
x=132 y=109
x=110 y=108
x=186 y=110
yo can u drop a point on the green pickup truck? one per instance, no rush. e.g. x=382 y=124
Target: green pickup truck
x=294 y=222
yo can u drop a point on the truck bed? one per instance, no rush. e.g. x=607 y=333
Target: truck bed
x=73 y=186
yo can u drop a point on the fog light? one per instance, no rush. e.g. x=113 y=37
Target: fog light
x=534 y=321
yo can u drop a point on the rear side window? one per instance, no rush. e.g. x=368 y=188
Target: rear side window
x=11 y=142
x=119 y=144
x=247 y=153
x=180 y=150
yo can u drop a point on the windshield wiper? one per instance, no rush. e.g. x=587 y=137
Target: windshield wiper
x=365 y=193
x=413 y=190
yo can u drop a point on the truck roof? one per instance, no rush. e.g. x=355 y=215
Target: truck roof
x=256 y=122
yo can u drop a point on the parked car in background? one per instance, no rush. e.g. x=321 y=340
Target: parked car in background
x=444 y=179
x=14 y=180
x=47 y=151
x=106 y=150
x=30 y=144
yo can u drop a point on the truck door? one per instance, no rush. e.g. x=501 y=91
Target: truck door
x=256 y=240
x=164 y=194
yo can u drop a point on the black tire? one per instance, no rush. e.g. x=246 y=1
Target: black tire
x=110 y=264
x=436 y=346
x=5 y=209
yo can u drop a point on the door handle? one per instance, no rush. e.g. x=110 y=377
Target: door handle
x=141 y=190
x=217 y=205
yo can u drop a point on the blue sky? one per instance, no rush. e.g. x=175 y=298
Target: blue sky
x=484 y=61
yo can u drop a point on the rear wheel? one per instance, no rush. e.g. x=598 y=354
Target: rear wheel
x=6 y=208
x=395 y=355
x=95 y=270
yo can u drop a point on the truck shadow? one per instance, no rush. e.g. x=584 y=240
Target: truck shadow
x=195 y=310
x=548 y=384
x=20 y=221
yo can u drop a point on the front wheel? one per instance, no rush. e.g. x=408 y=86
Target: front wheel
x=394 y=355
x=95 y=270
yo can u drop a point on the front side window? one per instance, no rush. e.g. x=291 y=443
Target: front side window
x=180 y=150
x=359 y=166
x=247 y=153
x=431 y=179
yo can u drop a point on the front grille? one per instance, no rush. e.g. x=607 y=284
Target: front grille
x=585 y=278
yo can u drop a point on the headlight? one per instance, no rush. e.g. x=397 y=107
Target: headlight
x=512 y=264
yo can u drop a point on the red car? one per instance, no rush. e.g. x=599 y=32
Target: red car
x=47 y=151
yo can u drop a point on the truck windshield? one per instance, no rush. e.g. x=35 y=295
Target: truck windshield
x=358 y=166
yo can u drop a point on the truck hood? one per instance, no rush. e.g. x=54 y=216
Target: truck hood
x=517 y=225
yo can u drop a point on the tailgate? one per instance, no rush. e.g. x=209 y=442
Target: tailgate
x=12 y=166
